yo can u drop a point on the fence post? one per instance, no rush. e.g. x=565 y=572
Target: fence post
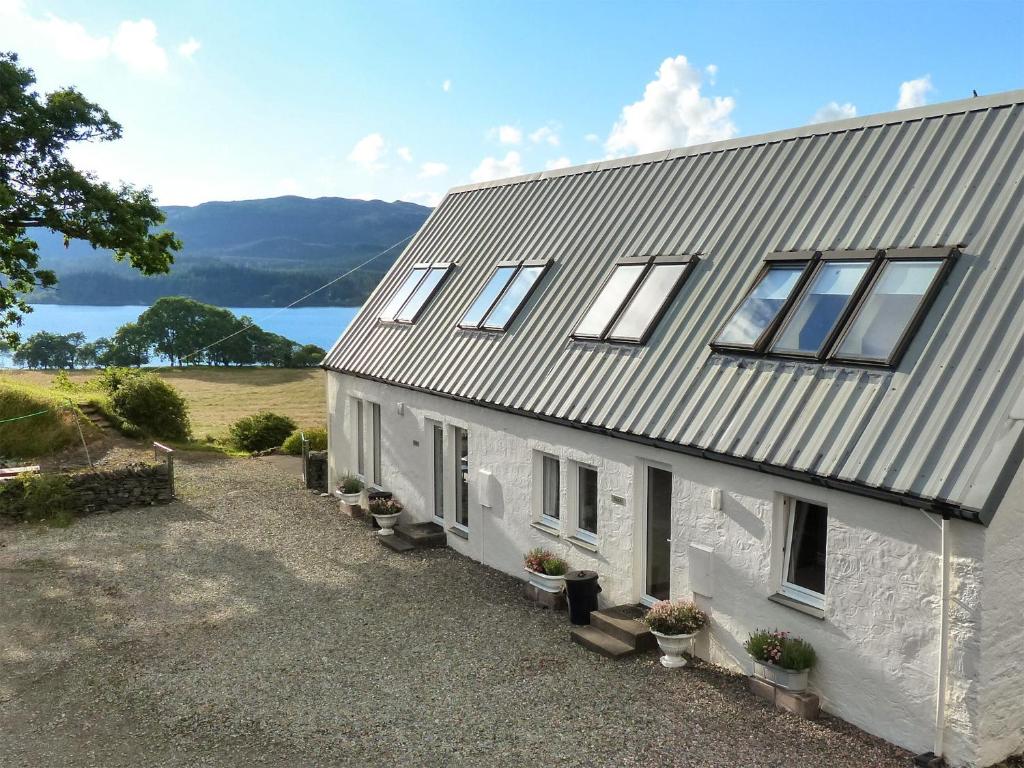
x=169 y=459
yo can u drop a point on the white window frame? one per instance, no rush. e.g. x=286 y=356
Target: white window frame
x=455 y=462
x=574 y=502
x=539 y=516
x=795 y=591
x=359 y=438
x=432 y=427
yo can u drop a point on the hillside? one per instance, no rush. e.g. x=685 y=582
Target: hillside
x=247 y=252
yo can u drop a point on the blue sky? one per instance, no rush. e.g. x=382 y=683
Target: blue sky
x=402 y=100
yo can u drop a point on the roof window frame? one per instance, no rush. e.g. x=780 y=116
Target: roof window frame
x=427 y=267
x=648 y=262
x=544 y=264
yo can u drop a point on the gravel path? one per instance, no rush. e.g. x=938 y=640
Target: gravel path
x=250 y=624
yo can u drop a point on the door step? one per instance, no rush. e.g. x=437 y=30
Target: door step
x=410 y=536
x=422 y=535
x=615 y=632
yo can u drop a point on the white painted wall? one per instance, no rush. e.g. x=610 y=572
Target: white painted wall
x=878 y=641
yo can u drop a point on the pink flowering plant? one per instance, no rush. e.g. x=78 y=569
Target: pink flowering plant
x=544 y=561
x=781 y=649
x=675 y=617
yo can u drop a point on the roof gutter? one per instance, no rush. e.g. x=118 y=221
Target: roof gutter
x=936 y=506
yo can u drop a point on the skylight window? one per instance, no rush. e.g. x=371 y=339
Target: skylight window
x=759 y=310
x=414 y=293
x=855 y=306
x=816 y=314
x=633 y=300
x=888 y=314
x=504 y=295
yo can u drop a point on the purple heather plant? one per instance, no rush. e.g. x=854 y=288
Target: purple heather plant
x=385 y=507
x=675 y=617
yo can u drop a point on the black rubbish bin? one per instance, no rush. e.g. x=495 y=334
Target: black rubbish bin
x=581 y=590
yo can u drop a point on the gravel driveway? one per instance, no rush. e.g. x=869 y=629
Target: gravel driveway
x=250 y=624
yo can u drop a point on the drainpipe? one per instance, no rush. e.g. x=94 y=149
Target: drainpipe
x=940 y=687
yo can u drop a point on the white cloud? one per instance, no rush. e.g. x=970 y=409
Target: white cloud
x=558 y=162
x=424 y=198
x=369 y=151
x=506 y=134
x=405 y=153
x=135 y=44
x=672 y=113
x=446 y=86
x=493 y=168
x=545 y=135
x=712 y=70
x=428 y=170
x=189 y=48
x=914 y=93
x=71 y=40
x=833 y=111
x=593 y=138
x=289 y=186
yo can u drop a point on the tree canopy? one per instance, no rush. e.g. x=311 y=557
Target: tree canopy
x=41 y=189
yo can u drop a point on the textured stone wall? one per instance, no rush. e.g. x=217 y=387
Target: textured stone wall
x=139 y=485
x=316 y=470
x=878 y=641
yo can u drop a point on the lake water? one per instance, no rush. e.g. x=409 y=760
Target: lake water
x=306 y=325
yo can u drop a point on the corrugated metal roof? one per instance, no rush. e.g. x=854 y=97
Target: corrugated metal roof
x=937 y=429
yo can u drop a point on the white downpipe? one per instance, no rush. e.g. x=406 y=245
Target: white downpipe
x=940 y=687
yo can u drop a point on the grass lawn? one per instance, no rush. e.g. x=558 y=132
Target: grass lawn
x=219 y=396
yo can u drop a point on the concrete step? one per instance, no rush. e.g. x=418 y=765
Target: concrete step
x=422 y=535
x=621 y=622
x=396 y=543
x=595 y=640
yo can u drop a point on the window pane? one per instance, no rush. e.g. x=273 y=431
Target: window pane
x=375 y=422
x=819 y=309
x=759 y=309
x=438 y=472
x=487 y=296
x=461 y=440
x=609 y=300
x=807 y=547
x=421 y=294
x=587 y=499
x=513 y=297
x=550 y=488
x=889 y=308
x=647 y=302
x=403 y=293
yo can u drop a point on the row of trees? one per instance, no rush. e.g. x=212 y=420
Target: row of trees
x=183 y=331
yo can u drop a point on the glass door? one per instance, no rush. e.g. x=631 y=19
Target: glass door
x=658 y=550
x=438 y=438
x=461 y=439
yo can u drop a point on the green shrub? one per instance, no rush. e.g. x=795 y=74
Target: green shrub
x=113 y=378
x=151 y=405
x=351 y=484
x=317 y=437
x=261 y=431
x=555 y=566
x=52 y=430
x=43 y=498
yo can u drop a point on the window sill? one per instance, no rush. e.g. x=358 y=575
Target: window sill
x=459 y=530
x=797 y=605
x=582 y=543
x=550 y=530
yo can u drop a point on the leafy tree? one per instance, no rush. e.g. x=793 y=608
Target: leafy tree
x=128 y=348
x=41 y=189
x=308 y=356
x=49 y=350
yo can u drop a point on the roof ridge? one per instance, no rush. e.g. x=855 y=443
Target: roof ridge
x=972 y=104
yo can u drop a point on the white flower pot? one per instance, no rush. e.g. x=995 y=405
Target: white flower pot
x=673 y=647
x=352 y=499
x=545 y=583
x=791 y=679
x=386 y=523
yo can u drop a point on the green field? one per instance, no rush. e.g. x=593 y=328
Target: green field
x=219 y=396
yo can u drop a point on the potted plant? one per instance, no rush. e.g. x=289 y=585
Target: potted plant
x=547 y=570
x=781 y=659
x=674 y=623
x=386 y=512
x=350 y=490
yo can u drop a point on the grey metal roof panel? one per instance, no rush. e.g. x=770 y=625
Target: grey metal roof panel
x=940 y=175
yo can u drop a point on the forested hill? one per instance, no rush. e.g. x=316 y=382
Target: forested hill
x=247 y=253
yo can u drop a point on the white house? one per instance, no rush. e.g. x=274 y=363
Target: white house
x=782 y=375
